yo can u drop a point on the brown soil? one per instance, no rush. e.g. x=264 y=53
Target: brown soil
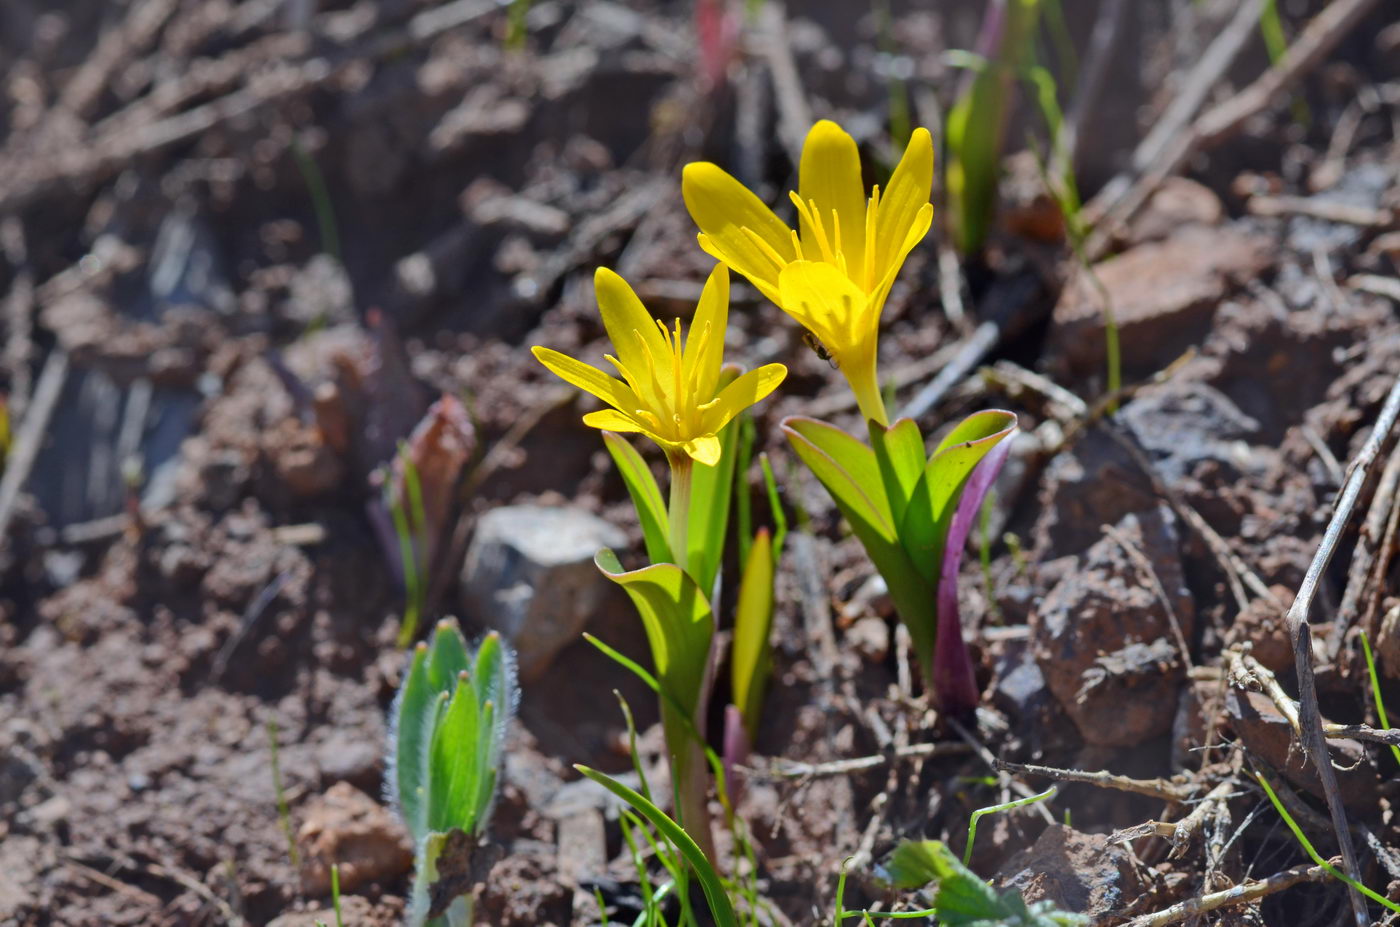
x=195 y=568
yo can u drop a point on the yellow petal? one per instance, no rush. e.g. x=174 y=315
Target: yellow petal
x=613 y=420
x=742 y=393
x=903 y=202
x=916 y=234
x=587 y=378
x=722 y=207
x=830 y=175
x=828 y=303
x=623 y=314
x=704 y=350
x=704 y=449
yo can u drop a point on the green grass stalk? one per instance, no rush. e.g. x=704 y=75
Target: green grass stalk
x=284 y=815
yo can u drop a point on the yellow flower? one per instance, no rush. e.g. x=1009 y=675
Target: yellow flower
x=670 y=387
x=834 y=272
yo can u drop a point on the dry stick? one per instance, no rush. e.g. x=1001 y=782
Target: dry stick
x=788 y=770
x=1221 y=122
x=1211 y=67
x=1372 y=538
x=141 y=897
x=1313 y=740
x=794 y=115
x=1364 y=217
x=1240 y=894
x=116 y=47
x=1392 y=529
x=31 y=435
x=1388 y=287
x=1244 y=670
x=1103 y=40
x=1216 y=798
x=1164 y=789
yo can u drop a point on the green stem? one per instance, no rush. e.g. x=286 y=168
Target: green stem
x=679 y=508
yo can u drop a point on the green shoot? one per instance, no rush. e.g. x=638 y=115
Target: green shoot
x=901 y=125
x=1271 y=28
x=1316 y=857
x=1376 y=691
x=408 y=528
x=1006 y=806
x=447 y=729
x=335 y=894
x=284 y=815
x=515 y=24
x=320 y=200
x=1018 y=553
x=977 y=122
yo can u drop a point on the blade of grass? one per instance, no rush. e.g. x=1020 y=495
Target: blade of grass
x=992 y=809
x=284 y=816
x=720 y=907
x=1317 y=857
x=1376 y=691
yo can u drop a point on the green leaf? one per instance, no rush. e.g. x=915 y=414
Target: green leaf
x=411 y=736
x=711 y=489
x=899 y=452
x=753 y=619
x=646 y=496
x=964 y=900
x=447 y=658
x=935 y=497
x=851 y=474
x=720 y=907
x=454 y=758
x=678 y=621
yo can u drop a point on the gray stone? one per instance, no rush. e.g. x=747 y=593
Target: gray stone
x=1083 y=873
x=1106 y=644
x=529 y=574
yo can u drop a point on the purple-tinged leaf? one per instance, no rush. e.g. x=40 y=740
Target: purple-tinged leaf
x=954 y=682
x=736 y=751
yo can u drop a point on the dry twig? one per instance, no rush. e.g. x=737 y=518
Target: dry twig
x=1239 y=894
x=1313 y=739
x=1164 y=789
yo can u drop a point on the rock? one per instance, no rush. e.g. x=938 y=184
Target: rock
x=1083 y=873
x=529 y=574
x=1106 y=644
x=1178 y=202
x=522 y=891
x=347 y=827
x=870 y=637
x=1262 y=624
x=1185 y=422
x=1163 y=295
x=347 y=758
x=1092 y=483
x=1267 y=735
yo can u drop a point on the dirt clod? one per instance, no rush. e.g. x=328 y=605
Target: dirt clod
x=347 y=827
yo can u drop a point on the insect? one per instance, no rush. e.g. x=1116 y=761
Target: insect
x=820 y=350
